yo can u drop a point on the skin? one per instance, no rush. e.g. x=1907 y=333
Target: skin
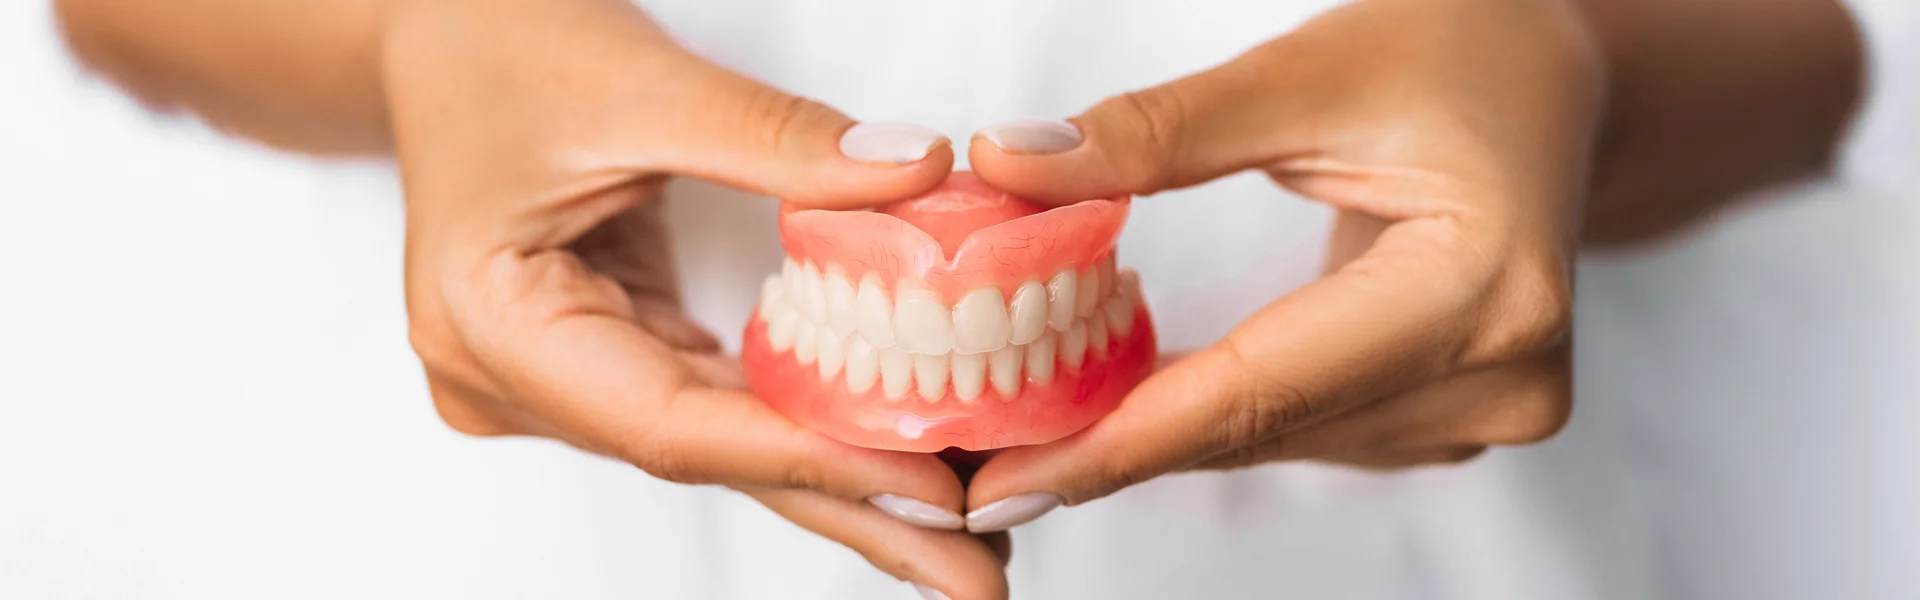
x=1468 y=145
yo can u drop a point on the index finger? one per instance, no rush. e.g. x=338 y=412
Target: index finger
x=1383 y=322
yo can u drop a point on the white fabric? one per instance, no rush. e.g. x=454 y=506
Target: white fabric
x=206 y=392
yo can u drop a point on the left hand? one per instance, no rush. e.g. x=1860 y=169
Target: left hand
x=1453 y=138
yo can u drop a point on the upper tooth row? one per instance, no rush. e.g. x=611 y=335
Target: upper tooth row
x=915 y=320
x=929 y=375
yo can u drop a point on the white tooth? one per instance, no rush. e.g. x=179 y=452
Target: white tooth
x=816 y=298
x=1073 y=345
x=782 y=328
x=805 y=342
x=930 y=372
x=1003 y=367
x=839 y=298
x=980 y=321
x=921 y=324
x=969 y=376
x=1106 y=278
x=896 y=372
x=874 y=312
x=1097 y=336
x=1040 y=358
x=1088 y=296
x=770 y=292
x=796 y=286
x=833 y=353
x=1060 y=291
x=863 y=365
x=1119 y=310
x=1029 y=313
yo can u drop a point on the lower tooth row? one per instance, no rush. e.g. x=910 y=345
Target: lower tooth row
x=932 y=375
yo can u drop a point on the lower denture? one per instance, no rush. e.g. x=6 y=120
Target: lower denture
x=964 y=318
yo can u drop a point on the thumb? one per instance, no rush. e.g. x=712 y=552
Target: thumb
x=1179 y=134
x=731 y=129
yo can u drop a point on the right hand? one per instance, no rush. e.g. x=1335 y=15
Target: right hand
x=532 y=138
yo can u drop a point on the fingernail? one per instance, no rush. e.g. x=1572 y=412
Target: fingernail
x=929 y=593
x=1033 y=136
x=1011 y=512
x=895 y=143
x=917 y=512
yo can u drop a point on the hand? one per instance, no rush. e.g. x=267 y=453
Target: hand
x=532 y=138
x=1453 y=137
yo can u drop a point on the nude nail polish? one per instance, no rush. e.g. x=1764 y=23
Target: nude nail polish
x=929 y=593
x=1033 y=136
x=917 y=512
x=894 y=143
x=1012 y=512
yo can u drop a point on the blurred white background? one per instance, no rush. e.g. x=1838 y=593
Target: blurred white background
x=206 y=392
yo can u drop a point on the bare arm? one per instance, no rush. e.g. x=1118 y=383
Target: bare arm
x=1710 y=99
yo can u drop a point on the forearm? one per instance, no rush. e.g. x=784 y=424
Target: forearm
x=301 y=75
x=1712 y=99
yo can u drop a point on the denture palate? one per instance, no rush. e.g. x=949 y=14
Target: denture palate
x=904 y=336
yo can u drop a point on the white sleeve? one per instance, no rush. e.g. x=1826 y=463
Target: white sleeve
x=1882 y=147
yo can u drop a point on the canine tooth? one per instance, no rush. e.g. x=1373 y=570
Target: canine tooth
x=1003 y=368
x=1040 y=355
x=1107 y=279
x=930 y=372
x=833 y=353
x=1119 y=311
x=980 y=321
x=1097 y=336
x=969 y=376
x=815 y=301
x=1028 y=313
x=1060 y=292
x=770 y=291
x=1073 y=345
x=839 y=298
x=863 y=365
x=874 y=312
x=1088 y=296
x=782 y=328
x=896 y=372
x=805 y=342
x=921 y=324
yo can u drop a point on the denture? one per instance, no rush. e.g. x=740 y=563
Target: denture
x=966 y=318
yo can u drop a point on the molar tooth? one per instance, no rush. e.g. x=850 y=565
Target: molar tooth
x=815 y=301
x=1040 y=355
x=1003 y=368
x=863 y=365
x=874 y=312
x=1073 y=345
x=921 y=324
x=1029 y=313
x=1119 y=310
x=782 y=328
x=805 y=342
x=930 y=371
x=1097 y=336
x=1088 y=296
x=1060 y=292
x=969 y=376
x=980 y=322
x=770 y=291
x=833 y=353
x=839 y=299
x=896 y=372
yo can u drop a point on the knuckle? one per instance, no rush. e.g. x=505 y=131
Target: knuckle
x=668 y=462
x=1532 y=314
x=1536 y=411
x=777 y=120
x=1156 y=118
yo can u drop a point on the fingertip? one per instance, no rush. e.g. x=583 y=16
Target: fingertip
x=875 y=166
x=1057 y=178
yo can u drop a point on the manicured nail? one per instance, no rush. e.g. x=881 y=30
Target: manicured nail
x=917 y=512
x=1033 y=136
x=1011 y=512
x=930 y=593
x=896 y=143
